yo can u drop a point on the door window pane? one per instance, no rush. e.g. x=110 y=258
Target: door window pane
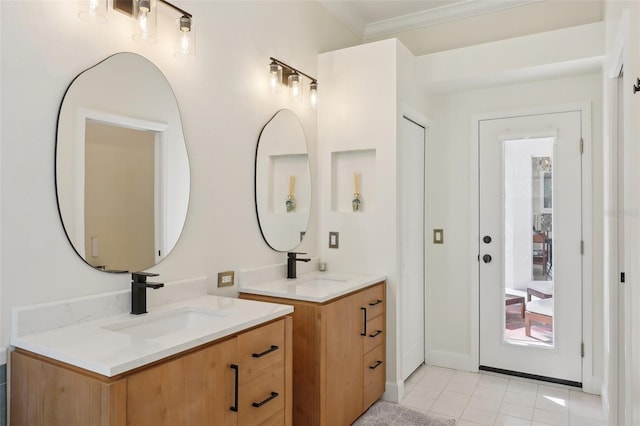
x=528 y=245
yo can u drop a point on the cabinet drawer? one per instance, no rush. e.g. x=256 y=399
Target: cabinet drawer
x=375 y=333
x=373 y=299
x=262 y=398
x=260 y=349
x=374 y=376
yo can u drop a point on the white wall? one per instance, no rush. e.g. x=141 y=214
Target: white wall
x=371 y=86
x=224 y=103
x=622 y=47
x=450 y=202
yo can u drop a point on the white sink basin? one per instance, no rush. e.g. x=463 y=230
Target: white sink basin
x=167 y=323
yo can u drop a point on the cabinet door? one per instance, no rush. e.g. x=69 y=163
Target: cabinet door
x=43 y=393
x=195 y=389
x=374 y=376
x=343 y=395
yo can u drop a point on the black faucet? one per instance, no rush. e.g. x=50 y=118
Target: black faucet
x=139 y=286
x=291 y=263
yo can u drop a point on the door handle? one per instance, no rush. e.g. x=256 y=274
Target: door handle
x=486 y=258
x=486 y=239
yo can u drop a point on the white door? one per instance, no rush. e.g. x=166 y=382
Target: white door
x=411 y=209
x=530 y=245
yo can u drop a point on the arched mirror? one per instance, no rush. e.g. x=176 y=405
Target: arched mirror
x=122 y=171
x=283 y=182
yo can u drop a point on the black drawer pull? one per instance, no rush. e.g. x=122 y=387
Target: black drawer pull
x=269 y=398
x=376 y=333
x=234 y=408
x=376 y=365
x=261 y=354
x=364 y=321
x=377 y=302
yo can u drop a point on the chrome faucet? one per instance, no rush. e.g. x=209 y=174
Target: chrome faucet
x=291 y=263
x=139 y=287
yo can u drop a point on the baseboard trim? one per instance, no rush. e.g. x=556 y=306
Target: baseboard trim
x=392 y=392
x=454 y=360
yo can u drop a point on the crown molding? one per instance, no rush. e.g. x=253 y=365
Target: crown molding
x=438 y=15
x=345 y=12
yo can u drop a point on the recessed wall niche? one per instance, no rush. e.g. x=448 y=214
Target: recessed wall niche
x=284 y=168
x=344 y=167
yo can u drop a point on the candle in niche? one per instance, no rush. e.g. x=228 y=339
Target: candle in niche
x=290 y=202
x=356 y=203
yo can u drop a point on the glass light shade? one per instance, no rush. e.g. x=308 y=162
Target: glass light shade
x=313 y=94
x=275 y=77
x=146 y=21
x=295 y=87
x=94 y=11
x=185 y=38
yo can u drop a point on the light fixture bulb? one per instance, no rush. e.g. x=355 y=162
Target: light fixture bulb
x=184 y=46
x=294 y=86
x=145 y=13
x=313 y=94
x=94 y=11
x=275 y=76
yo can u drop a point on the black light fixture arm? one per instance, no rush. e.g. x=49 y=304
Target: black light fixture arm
x=173 y=6
x=282 y=64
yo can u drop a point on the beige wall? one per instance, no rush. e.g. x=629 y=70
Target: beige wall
x=119 y=197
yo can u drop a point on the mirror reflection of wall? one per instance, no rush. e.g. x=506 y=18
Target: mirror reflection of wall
x=122 y=170
x=119 y=202
x=283 y=182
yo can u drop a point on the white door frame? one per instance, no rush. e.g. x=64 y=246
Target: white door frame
x=590 y=383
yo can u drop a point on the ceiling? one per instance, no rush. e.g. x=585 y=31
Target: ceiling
x=375 y=18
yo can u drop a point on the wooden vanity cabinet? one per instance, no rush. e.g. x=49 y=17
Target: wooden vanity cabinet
x=243 y=380
x=338 y=356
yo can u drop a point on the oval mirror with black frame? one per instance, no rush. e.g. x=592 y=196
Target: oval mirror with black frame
x=283 y=182
x=122 y=170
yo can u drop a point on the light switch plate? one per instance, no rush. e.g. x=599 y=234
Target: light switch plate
x=334 y=240
x=438 y=236
x=225 y=279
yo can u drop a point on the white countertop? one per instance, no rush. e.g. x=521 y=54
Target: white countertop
x=314 y=286
x=93 y=346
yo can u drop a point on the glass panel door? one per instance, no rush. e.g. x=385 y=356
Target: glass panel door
x=528 y=212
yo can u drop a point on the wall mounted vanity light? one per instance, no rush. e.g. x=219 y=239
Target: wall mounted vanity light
x=144 y=13
x=281 y=74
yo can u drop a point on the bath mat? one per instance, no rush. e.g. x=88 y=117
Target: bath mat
x=384 y=413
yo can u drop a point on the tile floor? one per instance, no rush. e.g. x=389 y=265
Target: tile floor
x=489 y=399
